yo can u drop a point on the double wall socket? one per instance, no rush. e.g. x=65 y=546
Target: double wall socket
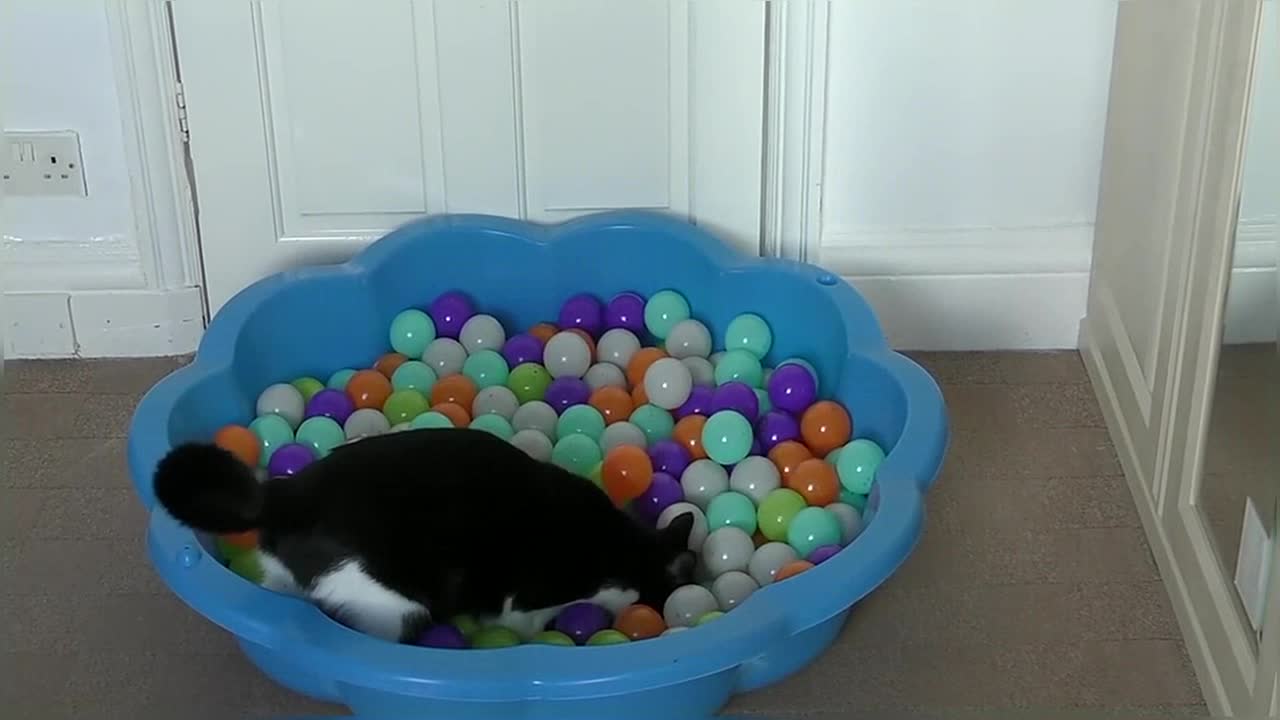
x=42 y=163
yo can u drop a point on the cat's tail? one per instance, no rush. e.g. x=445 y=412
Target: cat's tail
x=207 y=488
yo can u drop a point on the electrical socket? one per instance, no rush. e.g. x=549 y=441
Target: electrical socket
x=42 y=163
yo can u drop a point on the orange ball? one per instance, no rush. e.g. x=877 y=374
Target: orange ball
x=825 y=426
x=586 y=337
x=388 y=363
x=626 y=473
x=791 y=569
x=246 y=540
x=613 y=403
x=544 y=331
x=787 y=455
x=369 y=389
x=639 y=396
x=816 y=481
x=457 y=389
x=640 y=362
x=241 y=442
x=639 y=622
x=688 y=432
x=457 y=414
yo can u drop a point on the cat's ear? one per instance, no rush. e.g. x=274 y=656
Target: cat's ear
x=675 y=536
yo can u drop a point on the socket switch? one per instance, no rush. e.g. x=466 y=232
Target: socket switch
x=42 y=163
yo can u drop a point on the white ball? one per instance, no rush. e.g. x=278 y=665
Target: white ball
x=728 y=548
x=535 y=415
x=401 y=427
x=674 y=630
x=284 y=400
x=698 y=533
x=756 y=476
x=768 y=559
x=482 y=332
x=715 y=358
x=617 y=346
x=445 y=355
x=605 y=374
x=703 y=480
x=495 y=400
x=566 y=355
x=687 y=604
x=621 y=433
x=668 y=383
x=365 y=422
x=732 y=588
x=688 y=338
x=850 y=521
x=534 y=444
x=700 y=369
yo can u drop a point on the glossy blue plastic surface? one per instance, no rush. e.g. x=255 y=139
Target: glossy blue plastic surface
x=310 y=321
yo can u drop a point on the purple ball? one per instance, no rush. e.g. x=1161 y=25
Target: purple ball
x=565 y=392
x=699 y=402
x=331 y=403
x=736 y=396
x=664 y=491
x=582 y=311
x=289 y=460
x=522 y=348
x=822 y=554
x=450 y=312
x=581 y=620
x=775 y=427
x=625 y=310
x=792 y=388
x=669 y=456
x=443 y=636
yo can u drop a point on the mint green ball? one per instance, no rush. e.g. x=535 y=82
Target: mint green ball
x=494 y=636
x=495 y=424
x=731 y=509
x=833 y=458
x=411 y=332
x=656 y=423
x=741 y=366
x=663 y=311
x=552 y=637
x=726 y=437
x=486 y=368
x=857 y=501
x=273 y=431
x=749 y=332
x=812 y=528
x=431 y=419
x=338 y=380
x=576 y=453
x=414 y=375
x=857 y=465
x=608 y=636
x=763 y=398
x=582 y=420
x=321 y=434
x=802 y=363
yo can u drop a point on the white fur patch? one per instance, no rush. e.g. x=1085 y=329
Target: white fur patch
x=362 y=602
x=527 y=623
x=275 y=576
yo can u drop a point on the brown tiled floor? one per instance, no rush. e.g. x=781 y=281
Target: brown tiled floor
x=1032 y=588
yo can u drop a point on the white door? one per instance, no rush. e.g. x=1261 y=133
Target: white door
x=317 y=126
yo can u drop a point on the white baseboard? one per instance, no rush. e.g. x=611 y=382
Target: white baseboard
x=106 y=323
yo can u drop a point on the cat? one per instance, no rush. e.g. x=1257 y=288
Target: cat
x=390 y=533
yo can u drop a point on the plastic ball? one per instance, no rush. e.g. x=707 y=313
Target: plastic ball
x=812 y=528
x=289 y=459
x=308 y=386
x=663 y=492
x=450 y=311
x=708 y=617
x=639 y=396
x=368 y=389
x=715 y=358
x=850 y=521
x=792 y=569
x=338 y=380
x=727 y=548
x=486 y=368
x=777 y=511
x=792 y=388
x=732 y=588
x=626 y=474
x=389 y=363
x=702 y=481
x=664 y=310
x=241 y=442
x=674 y=630
x=534 y=444
x=825 y=426
x=583 y=311
x=552 y=637
x=688 y=338
x=331 y=403
x=273 y=432
x=581 y=419
x=639 y=622
x=493 y=637
x=495 y=400
x=482 y=332
x=625 y=310
x=763 y=401
x=667 y=383
x=688 y=603
x=321 y=434
x=457 y=389
x=654 y=421
x=445 y=356
x=414 y=375
x=522 y=348
x=365 y=422
x=749 y=332
x=536 y=415
x=447 y=637
x=768 y=559
x=411 y=332
x=816 y=481
x=670 y=457
x=740 y=366
x=698 y=402
x=603 y=374
x=688 y=434
x=566 y=354
x=802 y=363
x=736 y=396
x=544 y=331
x=613 y=403
x=493 y=424
x=234 y=543
x=859 y=461
x=284 y=400
x=401 y=427
x=405 y=405
x=565 y=392
x=581 y=620
x=432 y=419
x=776 y=427
x=787 y=456
x=732 y=509
x=247 y=565
x=700 y=369
x=617 y=347
x=823 y=554
x=608 y=636
x=755 y=477
x=640 y=363
x=727 y=437
x=529 y=382
x=621 y=433
x=698 y=533
x=576 y=453
x=456 y=414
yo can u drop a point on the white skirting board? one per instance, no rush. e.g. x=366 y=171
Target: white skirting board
x=107 y=323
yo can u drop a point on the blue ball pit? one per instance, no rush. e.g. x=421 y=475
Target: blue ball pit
x=313 y=320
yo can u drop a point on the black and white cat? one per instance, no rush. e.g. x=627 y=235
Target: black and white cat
x=393 y=531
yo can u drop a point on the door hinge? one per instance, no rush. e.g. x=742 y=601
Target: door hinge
x=180 y=99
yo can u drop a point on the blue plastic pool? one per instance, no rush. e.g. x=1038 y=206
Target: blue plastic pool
x=314 y=320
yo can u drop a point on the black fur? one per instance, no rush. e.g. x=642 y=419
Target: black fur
x=457 y=520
